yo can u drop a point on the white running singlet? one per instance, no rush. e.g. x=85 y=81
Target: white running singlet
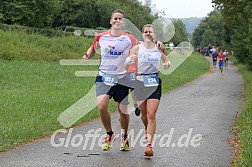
x=114 y=51
x=148 y=60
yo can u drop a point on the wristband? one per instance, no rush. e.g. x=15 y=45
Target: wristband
x=167 y=62
x=128 y=61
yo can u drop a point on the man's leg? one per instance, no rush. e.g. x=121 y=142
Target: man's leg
x=137 y=110
x=124 y=117
x=120 y=95
x=222 y=66
x=124 y=120
x=133 y=97
x=102 y=102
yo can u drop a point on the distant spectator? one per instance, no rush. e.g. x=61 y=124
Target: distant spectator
x=171 y=45
x=166 y=46
x=205 y=51
x=213 y=50
x=225 y=53
x=209 y=48
x=232 y=53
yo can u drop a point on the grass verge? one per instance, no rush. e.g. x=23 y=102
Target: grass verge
x=243 y=123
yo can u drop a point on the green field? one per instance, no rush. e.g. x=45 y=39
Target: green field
x=36 y=89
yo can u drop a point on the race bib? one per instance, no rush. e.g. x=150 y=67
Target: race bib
x=132 y=76
x=221 y=59
x=151 y=80
x=110 y=80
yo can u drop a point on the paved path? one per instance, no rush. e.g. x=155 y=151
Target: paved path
x=202 y=110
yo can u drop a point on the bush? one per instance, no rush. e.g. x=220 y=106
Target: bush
x=29 y=30
x=101 y=28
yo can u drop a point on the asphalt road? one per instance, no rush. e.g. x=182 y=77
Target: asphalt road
x=193 y=123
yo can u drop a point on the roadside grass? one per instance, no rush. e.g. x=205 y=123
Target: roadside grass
x=33 y=94
x=243 y=123
x=35 y=89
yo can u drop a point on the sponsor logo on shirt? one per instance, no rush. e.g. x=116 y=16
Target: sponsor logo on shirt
x=149 y=58
x=112 y=52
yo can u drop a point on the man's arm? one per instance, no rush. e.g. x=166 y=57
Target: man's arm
x=89 y=53
x=92 y=49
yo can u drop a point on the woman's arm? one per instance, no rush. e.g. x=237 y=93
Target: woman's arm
x=166 y=61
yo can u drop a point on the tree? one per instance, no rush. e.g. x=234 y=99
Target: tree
x=180 y=32
x=198 y=33
x=33 y=13
x=211 y=30
x=80 y=13
x=207 y=38
x=238 y=15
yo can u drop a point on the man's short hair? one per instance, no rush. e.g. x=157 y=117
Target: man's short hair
x=118 y=11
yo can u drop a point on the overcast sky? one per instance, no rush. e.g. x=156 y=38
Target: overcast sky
x=183 y=8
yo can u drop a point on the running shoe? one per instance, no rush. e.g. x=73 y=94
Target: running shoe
x=108 y=142
x=148 y=151
x=124 y=145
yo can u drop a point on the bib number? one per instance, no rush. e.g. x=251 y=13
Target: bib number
x=132 y=76
x=151 y=80
x=110 y=80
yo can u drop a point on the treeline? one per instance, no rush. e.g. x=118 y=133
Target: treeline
x=228 y=26
x=211 y=31
x=78 y=13
x=44 y=16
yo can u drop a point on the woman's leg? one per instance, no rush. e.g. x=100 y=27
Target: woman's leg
x=151 y=106
x=142 y=105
